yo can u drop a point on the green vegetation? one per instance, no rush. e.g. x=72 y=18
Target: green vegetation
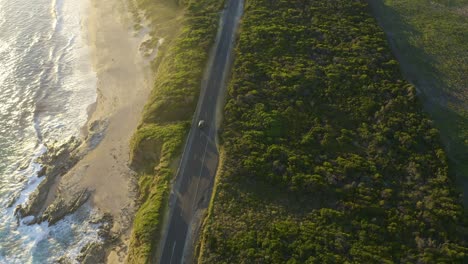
x=328 y=156
x=157 y=144
x=430 y=39
x=165 y=142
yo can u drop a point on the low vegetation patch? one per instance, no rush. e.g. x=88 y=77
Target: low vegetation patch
x=329 y=157
x=430 y=40
x=166 y=120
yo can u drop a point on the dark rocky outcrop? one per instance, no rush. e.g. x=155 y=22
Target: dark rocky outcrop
x=95 y=252
x=92 y=253
x=55 y=163
x=96 y=132
x=61 y=207
x=64 y=260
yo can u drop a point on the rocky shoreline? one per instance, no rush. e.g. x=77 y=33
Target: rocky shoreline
x=93 y=171
x=95 y=252
x=47 y=203
x=55 y=163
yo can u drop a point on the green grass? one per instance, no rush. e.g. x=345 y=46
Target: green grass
x=154 y=188
x=430 y=39
x=158 y=141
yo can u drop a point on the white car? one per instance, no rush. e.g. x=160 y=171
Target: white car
x=201 y=124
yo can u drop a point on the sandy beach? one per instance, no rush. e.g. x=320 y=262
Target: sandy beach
x=123 y=86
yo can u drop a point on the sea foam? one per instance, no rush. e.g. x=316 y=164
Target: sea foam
x=46 y=85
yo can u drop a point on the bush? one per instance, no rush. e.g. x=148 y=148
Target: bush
x=328 y=156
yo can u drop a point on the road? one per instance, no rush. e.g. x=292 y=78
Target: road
x=192 y=189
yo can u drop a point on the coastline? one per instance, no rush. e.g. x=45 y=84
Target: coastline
x=124 y=84
x=94 y=171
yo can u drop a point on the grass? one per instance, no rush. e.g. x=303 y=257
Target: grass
x=430 y=39
x=154 y=188
x=188 y=29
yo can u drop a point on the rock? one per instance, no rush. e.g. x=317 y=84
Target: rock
x=36 y=200
x=96 y=133
x=43 y=171
x=56 y=162
x=64 y=260
x=92 y=253
x=105 y=231
x=61 y=208
x=95 y=252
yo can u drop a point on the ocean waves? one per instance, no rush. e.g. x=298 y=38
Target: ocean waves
x=46 y=85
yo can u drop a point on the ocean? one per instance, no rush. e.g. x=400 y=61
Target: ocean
x=47 y=84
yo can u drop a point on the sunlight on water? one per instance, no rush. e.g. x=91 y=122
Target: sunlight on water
x=46 y=85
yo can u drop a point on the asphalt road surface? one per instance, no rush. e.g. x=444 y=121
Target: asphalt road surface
x=194 y=181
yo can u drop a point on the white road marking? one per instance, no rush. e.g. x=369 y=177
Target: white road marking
x=172 y=254
x=201 y=171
